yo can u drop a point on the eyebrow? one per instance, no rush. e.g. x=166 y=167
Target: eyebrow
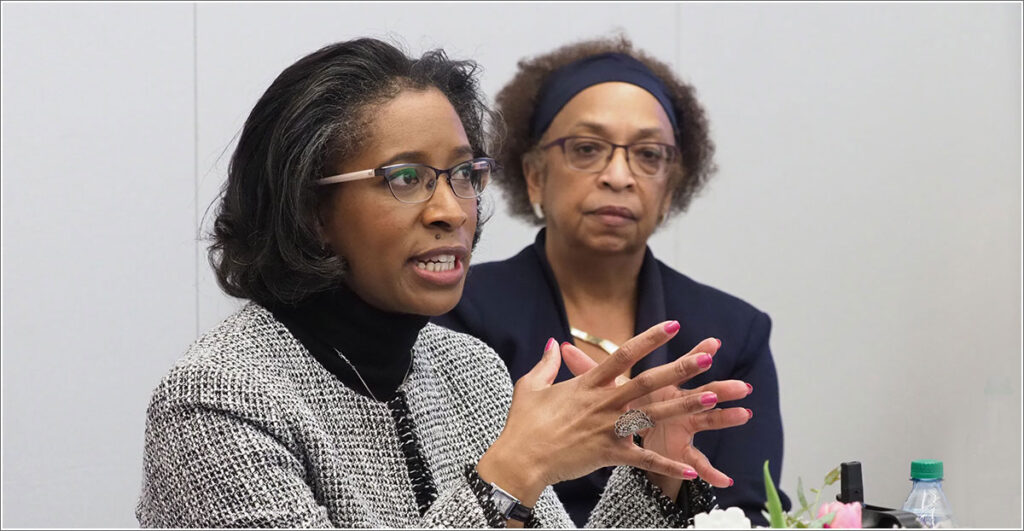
x=602 y=130
x=419 y=157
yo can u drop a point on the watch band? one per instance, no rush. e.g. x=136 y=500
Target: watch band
x=508 y=505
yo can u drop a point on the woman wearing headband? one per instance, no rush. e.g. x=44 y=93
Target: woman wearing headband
x=603 y=144
x=347 y=220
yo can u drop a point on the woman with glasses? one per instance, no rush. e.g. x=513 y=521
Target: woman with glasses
x=348 y=219
x=603 y=144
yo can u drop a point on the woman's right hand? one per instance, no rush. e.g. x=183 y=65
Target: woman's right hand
x=557 y=432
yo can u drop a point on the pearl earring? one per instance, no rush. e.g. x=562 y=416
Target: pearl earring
x=537 y=211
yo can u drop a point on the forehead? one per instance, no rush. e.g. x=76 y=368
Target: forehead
x=414 y=121
x=620 y=109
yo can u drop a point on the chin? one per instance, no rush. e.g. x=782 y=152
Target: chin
x=614 y=243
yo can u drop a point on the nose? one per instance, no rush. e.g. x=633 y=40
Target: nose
x=444 y=209
x=617 y=175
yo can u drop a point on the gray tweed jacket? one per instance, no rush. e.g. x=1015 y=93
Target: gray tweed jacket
x=249 y=430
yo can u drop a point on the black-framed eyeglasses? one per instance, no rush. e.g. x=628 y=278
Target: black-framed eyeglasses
x=590 y=154
x=415 y=183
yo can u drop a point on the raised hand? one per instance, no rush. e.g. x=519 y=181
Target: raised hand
x=673 y=437
x=557 y=432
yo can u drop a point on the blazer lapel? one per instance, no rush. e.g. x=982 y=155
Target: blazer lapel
x=650 y=309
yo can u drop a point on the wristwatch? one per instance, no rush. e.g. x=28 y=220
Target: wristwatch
x=508 y=505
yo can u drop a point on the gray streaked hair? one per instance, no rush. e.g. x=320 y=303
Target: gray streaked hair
x=266 y=245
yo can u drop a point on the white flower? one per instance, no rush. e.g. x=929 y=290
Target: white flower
x=731 y=518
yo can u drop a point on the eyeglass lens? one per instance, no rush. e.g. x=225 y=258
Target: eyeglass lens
x=591 y=154
x=414 y=183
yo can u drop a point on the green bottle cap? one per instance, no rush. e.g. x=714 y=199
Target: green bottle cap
x=926 y=469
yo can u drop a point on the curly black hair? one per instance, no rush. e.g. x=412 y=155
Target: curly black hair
x=266 y=245
x=517 y=100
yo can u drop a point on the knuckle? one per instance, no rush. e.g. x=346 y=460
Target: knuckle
x=624 y=354
x=681 y=367
x=708 y=421
x=647 y=460
x=645 y=381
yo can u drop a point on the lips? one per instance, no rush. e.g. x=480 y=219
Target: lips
x=616 y=211
x=613 y=217
x=443 y=266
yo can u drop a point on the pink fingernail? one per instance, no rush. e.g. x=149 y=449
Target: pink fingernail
x=750 y=414
x=551 y=343
x=690 y=474
x=672 y=327
x=704 y=361
x=719 y=342
x=564 y=343
x=730 y=482
x=709 y=399
x=750 y=389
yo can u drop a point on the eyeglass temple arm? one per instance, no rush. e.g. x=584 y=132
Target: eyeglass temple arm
x=345 y=177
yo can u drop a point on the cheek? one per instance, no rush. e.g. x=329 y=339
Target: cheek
x=653 y=194
x=563 y=192
x=373 y=246
x=362 y=232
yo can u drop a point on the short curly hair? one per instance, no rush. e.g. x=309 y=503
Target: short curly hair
x=266 y=241
x=517 y=100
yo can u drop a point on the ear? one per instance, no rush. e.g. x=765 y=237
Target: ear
x=663 y=210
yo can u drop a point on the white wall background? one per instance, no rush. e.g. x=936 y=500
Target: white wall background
x=869 y=199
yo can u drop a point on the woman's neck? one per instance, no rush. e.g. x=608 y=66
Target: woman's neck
x=369 y=349
x=589 y=278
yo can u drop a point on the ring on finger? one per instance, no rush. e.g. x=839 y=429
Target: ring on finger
x=631 y=422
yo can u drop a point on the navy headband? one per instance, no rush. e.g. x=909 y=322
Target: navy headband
x=571 y=79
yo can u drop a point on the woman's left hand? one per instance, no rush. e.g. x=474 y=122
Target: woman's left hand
x=673 y=438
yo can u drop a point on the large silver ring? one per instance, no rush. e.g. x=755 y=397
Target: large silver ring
x=631 y=422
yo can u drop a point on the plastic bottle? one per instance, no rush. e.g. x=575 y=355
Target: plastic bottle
x=926 y=498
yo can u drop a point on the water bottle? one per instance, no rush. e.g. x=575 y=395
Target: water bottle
x=926 y=499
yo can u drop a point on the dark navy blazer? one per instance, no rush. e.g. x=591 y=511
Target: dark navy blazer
x=515 y=305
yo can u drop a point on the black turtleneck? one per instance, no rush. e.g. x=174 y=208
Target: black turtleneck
x=378 y=343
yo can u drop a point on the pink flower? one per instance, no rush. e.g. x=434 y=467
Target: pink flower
x=847 y=514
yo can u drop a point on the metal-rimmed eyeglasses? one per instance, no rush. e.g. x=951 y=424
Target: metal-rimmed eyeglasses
x=415 y=183
x=592 y=155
